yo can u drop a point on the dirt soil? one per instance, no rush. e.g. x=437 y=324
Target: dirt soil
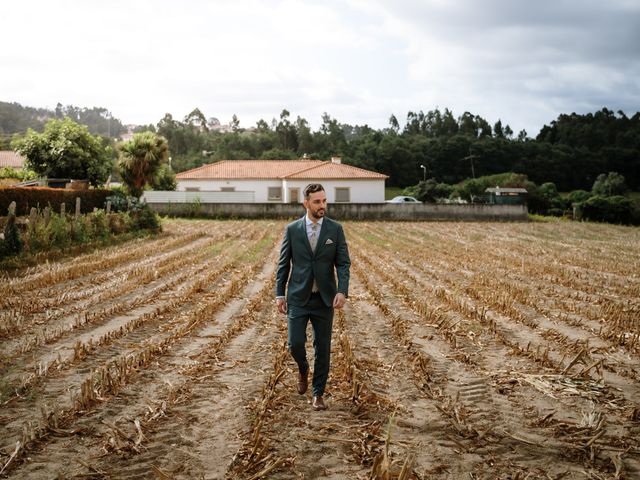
x=465 y=350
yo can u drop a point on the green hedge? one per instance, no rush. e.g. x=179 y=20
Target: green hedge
x=616 y=209
x=41 y=197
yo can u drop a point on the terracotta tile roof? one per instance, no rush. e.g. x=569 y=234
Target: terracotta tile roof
x=269 y=169
x=329 y=170
x=9 y=158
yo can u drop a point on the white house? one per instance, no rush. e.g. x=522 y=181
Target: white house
x=283 y=181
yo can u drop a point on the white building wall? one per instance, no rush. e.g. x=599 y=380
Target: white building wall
x=361 y=191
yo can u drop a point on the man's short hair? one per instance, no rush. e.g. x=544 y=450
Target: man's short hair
x=312 y=188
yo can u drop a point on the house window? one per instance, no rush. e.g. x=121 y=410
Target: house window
x=192 y=189
x=343 y=194
x=274 y=193
x=227 y=189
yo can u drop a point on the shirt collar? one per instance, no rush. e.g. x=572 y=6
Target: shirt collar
x=309 y=222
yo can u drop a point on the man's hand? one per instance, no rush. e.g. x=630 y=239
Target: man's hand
x=281 y=303
x=339 y=300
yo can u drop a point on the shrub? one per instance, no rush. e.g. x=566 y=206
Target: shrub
x=11 y=244
x=100 y=224
x=146 y=219
x=119 y=222
x=610 y=184
x=578 y=196
x=616 y=209
x=57 y=232
x=82 y=230
x=121 y=201
x=429 y=191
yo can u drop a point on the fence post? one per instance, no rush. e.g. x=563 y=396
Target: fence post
x=77 y=207
x=108 y=206
x=33 y=218
x=47 y=216
x=62 y=209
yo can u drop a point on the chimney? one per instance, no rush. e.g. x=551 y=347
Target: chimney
x=336 y=159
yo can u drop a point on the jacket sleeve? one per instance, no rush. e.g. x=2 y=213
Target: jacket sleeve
x=342 y=263
x=284 y=265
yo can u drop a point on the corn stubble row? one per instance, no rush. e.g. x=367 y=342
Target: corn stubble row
x=109 y=378
x=489 y=298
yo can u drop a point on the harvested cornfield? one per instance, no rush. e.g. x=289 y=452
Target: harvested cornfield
x=465 y=351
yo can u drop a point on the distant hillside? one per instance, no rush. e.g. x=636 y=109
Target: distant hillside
x=15 y=118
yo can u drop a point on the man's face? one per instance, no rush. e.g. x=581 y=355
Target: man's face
x=316 y=205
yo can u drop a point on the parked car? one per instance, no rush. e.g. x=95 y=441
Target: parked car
x=403 y=199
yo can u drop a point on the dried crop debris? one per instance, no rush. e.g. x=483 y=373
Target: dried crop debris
x=465 y=351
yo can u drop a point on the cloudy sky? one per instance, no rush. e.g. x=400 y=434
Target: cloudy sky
x=524 y=62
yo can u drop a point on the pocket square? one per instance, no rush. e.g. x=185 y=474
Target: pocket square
x=328 y=242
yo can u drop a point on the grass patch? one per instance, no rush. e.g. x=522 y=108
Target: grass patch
x=534 y=217
x=253 y=254
x=369 y=237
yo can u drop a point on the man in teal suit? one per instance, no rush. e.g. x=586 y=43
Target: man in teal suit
x=314 y=250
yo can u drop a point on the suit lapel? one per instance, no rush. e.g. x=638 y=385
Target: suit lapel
x=305 y=237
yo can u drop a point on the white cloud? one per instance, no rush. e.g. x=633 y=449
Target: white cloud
x=358 y=60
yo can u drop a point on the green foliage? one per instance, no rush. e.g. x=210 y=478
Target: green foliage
x=15 y=118
x=65 y=231
x=146 y=219
x=610 y=184
x=430 y=191
x=57 y=233
x=277 y=153
x=473 y=189
x=66 y=150
x=99 y=224
x=119 y=222
x=140 y=159
x=578 y=196
x=11 y=243
x=22 y=175
x=614 y=209
x=165 y=179
x=121 y=201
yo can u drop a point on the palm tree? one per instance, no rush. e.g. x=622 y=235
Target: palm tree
x=140 y=159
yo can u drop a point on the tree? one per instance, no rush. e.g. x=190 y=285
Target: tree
x=430 y=191
x=393 y=124
x=610 y=184
x=140 y=160
x=164 y=179
x=286 y=131
x=235 y=123
x=508 y=132
x=196 y=119
x=66 y=150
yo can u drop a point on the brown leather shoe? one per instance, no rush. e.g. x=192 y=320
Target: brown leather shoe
x=303 y=382
x=318 y=404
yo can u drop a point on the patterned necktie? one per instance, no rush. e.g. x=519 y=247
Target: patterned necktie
x=313 y=239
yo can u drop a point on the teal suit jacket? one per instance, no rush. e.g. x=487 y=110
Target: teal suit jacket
x=299 y=265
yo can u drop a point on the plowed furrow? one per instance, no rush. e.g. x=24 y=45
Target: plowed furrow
x=115 y=374
x=478 y=422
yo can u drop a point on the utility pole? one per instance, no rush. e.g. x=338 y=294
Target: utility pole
x=471 y=157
